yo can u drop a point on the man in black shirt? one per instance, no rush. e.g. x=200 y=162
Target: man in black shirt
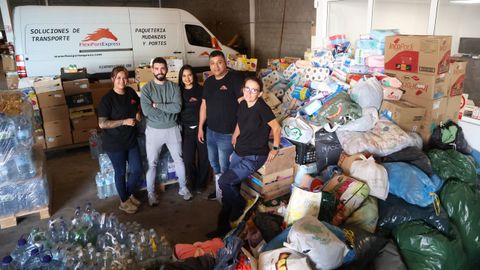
x=221 y=95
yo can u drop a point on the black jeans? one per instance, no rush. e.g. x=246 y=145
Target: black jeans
x=119 y=161
x=196 y=171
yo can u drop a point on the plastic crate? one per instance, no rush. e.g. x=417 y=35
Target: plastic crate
x=305 y=153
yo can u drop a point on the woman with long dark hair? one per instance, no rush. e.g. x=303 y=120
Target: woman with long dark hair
x=196 y=169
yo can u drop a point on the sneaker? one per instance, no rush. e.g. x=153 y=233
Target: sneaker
x=152 y=199
x=212 y=196
x=127 y=207
x=134 y=201
x=185 y=193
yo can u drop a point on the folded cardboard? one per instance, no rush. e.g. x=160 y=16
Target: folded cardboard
x=55 y=113
x=405 y=114
x=8 y=62
x=418 y=54
x=143 y=74
x=248 y=192
x=421 y=85
x=86 y=122
x=457 y=77
x=78 y=100
x=284 y=159
x=50 y=99
x=76 y=87
x=81 y=135
x=271 y=100
x=47 y=84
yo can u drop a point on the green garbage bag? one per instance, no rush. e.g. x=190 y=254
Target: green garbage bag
x=453 y=164
x=462 y=203
x=423 y=247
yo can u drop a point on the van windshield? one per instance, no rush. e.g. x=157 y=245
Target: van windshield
x=198 y=36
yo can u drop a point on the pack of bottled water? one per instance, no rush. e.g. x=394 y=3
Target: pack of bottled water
x=105 y=178
x=90 y=240
x=16 y=137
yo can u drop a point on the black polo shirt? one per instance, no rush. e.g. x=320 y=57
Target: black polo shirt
x=254 y=128
x=221 y=98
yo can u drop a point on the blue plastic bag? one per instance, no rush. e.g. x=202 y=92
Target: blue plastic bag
x=412 y=184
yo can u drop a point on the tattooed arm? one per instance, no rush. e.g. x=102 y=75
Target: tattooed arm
x=104 y=123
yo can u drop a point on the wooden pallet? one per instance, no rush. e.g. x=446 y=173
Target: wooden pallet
x=166 y=183
x=11 y=221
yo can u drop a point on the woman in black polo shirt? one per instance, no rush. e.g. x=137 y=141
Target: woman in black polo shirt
x=191 y=147
x=255 y=120
x=118 y=114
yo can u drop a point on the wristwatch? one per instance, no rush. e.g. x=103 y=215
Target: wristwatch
x=276 y=148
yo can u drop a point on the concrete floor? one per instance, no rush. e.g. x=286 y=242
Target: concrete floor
x=71 y=175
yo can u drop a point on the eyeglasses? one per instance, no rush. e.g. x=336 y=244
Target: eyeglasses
x=251 y=90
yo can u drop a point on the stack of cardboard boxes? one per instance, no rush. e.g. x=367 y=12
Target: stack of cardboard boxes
x=274 y=178
x=56 y=122
x=81 y=111
x=422 y=64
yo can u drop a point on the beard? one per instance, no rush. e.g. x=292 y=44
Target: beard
x=160 y=76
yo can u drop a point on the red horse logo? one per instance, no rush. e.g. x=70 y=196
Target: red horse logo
x=99 y=34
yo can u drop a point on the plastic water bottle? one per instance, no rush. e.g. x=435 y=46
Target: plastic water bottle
x=95 y=144
x=8 y=263
x=34 y=261
x=154 y=244
x=110 y=189
x=77 y=217
x=24 y=161
x=24 y=131
x=19 y=254
x=100 y=181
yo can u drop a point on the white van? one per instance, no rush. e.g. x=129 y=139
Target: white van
x=99 y=38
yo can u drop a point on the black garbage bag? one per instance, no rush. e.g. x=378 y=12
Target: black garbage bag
x=424 y=247
x=227 y=257
x=412 y=155
x=270 y=225
x=327 y=149
x=389 y=258
x=449 y=136
x=462 y=203
x=395 y=211
x=365 y=244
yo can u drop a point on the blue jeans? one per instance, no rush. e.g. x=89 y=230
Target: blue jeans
x=219 y=150
x=233 y=203
x=119 y=161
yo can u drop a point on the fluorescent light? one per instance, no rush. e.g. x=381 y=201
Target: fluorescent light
x=465 y=1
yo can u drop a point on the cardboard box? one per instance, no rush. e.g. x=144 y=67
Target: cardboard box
x=248 y=192
x=133 y=84
x=8 y=62
x=76 y=87
x=421 y=85
x=57 y=133
x=418 y=54
x=143 y=74
x=453 y=108
x=55 y=113
x=99 y=90
x=78 y=100
x=12 y=80
x=86 y=122
x=47 y=84
x=81 y=111
x=68 y=75
x=39 y=138
x=81 y=135
x=405 y=114
x=457 y=77
x=284 y=159
x=51 y=99
x=279 y=183
x=271 y=100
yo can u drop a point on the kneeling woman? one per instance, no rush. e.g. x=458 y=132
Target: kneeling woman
x=118 y=114
x=250 y=139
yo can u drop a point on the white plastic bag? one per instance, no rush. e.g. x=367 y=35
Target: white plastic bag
x=283 y=258
x=297 y=129
x=302 y=203
x=368 y=93
x=314 y=239
x=372 y=173
x=365 y=123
